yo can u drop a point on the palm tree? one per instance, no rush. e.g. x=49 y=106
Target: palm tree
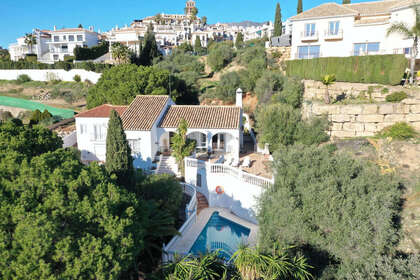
x=412 y=32
x=328 y=80
x=120 y=53
x=30 y=40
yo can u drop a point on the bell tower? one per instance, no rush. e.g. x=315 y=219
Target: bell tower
x=190 y=7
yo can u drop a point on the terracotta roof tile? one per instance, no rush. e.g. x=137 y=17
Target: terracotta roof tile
x=373 y=8
x=102 y=111
x=325 y=10
x=143 y=112
x=72 y=30
x=212 y=117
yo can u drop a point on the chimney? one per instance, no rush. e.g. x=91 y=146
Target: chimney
x=239 y=97
x=55 y=28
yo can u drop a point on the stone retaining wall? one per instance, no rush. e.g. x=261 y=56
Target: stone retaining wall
x=315 y=90
x=365 y=119
x=13 y=110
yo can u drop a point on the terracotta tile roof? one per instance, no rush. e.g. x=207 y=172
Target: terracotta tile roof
x=216 y=117
x=325 y=10
x=362 y=9
x=72 y=30
x=102 y=111
x=373 y=8
x=143 y=112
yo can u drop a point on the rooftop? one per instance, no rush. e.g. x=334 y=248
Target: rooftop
x=102 y=111
x=143 y=112
x=210 y=117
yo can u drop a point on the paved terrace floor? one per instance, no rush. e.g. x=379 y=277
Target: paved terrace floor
x=186 y=241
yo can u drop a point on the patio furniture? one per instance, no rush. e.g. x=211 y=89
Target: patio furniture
x=228 y=160
x=235 y=162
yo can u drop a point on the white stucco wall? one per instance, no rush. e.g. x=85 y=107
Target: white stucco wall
x=46 y=75
x=90 y=149
x=144 y=157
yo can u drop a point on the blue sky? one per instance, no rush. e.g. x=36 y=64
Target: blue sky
x=20 y=16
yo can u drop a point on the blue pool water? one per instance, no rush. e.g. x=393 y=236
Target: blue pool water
x=220 y=234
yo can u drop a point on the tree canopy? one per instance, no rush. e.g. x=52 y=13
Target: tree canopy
x=120 y=85
x=150 y=49
x=337 y=210
x=220 y=55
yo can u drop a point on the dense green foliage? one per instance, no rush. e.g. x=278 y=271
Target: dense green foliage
x=338 y=211
x=399 y=130
x=38 y=117
x=220 y=55
x=273 y=86
x=23 y=78
x=62 y=219
x=121 y=53
x=247 y=264
x=346 y=1
x=381 y=69
x=198 y=48
x=120 y=85
x=396 y=96
x=77 y=78
x=85 y=53
x=229 y=83
x=118 y=153
x=278 y=25
x=4 y=55
x=89 y=66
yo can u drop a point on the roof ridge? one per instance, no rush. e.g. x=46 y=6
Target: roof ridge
x=209 y=106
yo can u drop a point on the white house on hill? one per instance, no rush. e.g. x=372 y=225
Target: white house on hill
x=340 y=30
x=150 y=121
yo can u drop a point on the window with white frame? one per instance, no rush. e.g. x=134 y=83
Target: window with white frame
x=305 y=52
x=99 y=132
x=71 y=38
x=56 y=38
x=333 y=27
x=365 y=48
x=79 y=38
x=134 y=145
x=83 y=128
x=310 y=29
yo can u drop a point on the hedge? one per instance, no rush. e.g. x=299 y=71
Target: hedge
x=89 y=66
x=84 y=53
x=381 y=69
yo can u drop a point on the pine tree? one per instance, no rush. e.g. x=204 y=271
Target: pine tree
x=346 y=1
x=239 y=43
x=299 y=7
x=118 y=152
x=150 y=49
x=278 y=27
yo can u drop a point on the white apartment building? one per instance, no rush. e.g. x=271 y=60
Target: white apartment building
x=64 y=41
x=336 y=30
x=20 y=49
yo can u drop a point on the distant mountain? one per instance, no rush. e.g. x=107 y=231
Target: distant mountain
x=245 y=23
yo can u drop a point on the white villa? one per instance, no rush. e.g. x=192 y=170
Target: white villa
x=64 y=41
x=20 y=49
x=149 y=122
x=337 y=30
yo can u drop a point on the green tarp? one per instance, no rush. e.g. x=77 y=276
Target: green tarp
x=32 y=106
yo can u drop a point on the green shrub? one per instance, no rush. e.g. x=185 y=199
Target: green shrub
x=89 y=66
x=396 y=96
x=23 y=79
x=84 y=53
x=220 y=55
x=400 y=131
x=381 y=69
x=31 y=58
x=77 y=78
x=384 y=90
x=312 y=132
x=68 y=58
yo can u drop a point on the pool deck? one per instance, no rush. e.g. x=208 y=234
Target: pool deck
x=184 y=244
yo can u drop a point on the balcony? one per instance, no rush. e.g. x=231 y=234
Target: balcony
x=330 y=35
x=309 y=36
x=60 y=51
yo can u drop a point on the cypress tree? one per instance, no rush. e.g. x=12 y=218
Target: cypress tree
x=150 y=49
x=197 y=45
x=239 y=43
x=299 y=7
x=278 y=27
x=118 y=152
x=346 y=1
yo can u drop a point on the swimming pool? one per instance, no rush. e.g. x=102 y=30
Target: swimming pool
x=220 y=234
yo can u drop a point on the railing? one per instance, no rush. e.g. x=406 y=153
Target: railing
x=311 y=36
x=191 y=207
x=218 y=168
x=330 y=35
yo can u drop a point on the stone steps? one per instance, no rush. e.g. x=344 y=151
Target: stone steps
x=202 y=202
x=168 y=165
